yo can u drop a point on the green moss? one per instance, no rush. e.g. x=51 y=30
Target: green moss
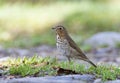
x=45 y=66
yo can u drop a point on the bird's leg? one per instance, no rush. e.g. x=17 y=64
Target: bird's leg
x=69 y=59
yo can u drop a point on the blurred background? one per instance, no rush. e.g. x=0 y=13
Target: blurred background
x=28 y=23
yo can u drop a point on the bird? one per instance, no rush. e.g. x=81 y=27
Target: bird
x=67 y=47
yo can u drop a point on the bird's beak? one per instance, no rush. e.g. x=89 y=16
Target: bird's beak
x=53 y=28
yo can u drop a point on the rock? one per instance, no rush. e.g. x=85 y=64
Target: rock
x=43 y=48
x=107 y=50
x=42 y=51
x=58 y=79
x=3 y=52
x=114 y=81
x=118 y=60
x=17 y=52
x=98 y=81
x=109 y=39
x=53 y=79
x=4 y=59
x=1 y=72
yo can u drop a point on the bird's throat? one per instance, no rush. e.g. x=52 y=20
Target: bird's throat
x=60 y=37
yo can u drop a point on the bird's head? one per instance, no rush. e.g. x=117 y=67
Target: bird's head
x=60 y=30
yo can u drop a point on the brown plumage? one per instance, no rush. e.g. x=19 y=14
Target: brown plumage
x=67 y=46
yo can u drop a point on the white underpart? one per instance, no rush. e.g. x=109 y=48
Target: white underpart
x=63 y=46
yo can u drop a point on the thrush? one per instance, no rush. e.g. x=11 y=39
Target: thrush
x=67 y=47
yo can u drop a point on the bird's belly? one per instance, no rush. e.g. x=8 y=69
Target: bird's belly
x=63 y=48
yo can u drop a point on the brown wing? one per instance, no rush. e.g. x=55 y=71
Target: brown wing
x=74 y=45
x=82 y=55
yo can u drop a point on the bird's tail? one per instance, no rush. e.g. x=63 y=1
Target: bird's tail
x=91 y=63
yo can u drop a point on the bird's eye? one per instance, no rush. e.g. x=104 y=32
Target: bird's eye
x=60 y=28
